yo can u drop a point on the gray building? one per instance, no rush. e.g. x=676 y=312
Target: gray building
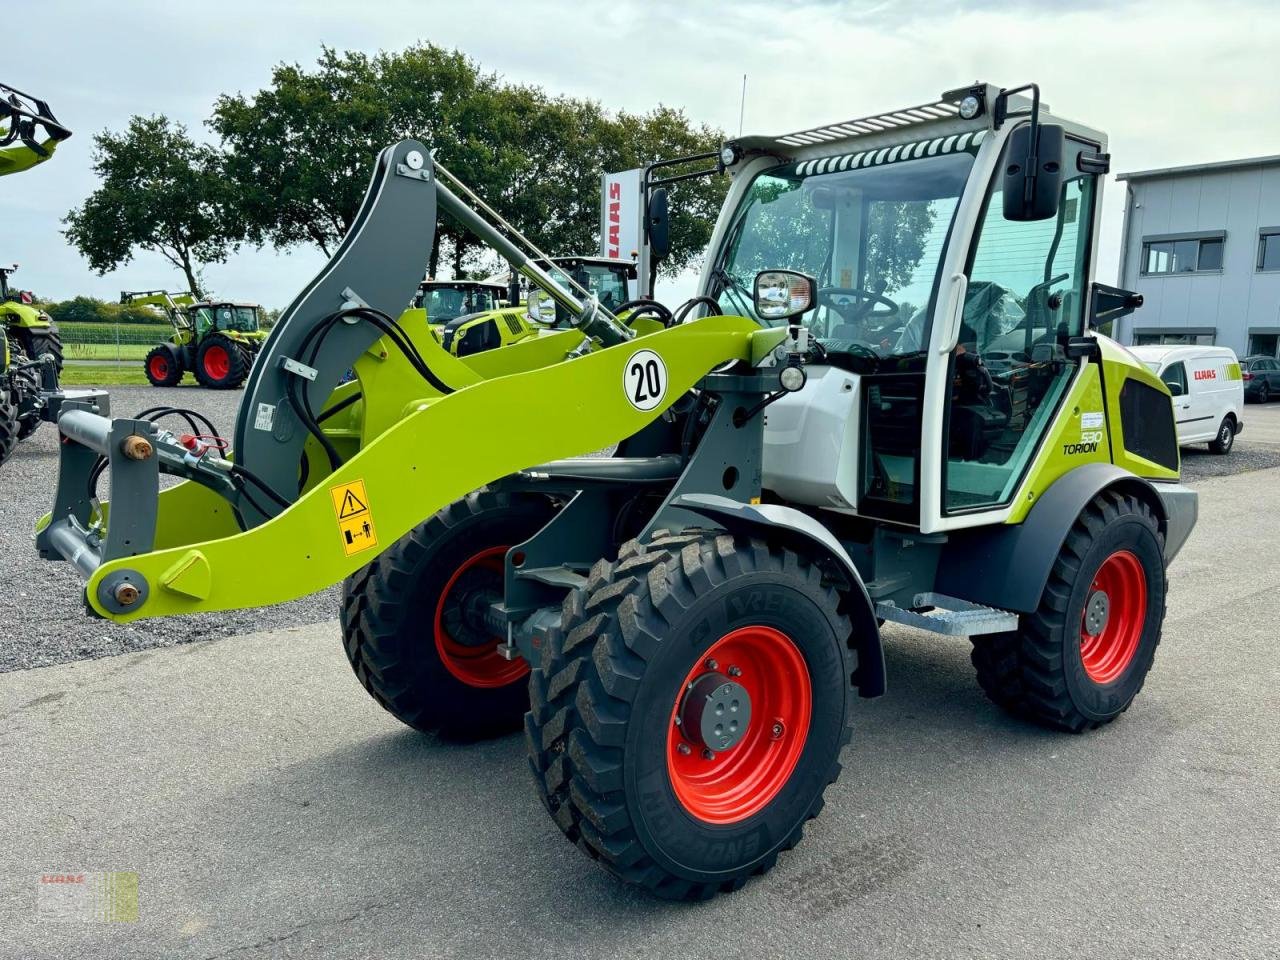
x=1202 y=245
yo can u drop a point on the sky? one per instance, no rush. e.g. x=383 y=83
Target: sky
x=1171 y=82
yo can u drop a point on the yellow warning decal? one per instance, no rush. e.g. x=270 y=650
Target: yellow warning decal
x=355 y=519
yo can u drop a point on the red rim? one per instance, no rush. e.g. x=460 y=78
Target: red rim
x=1107 y=653
x=741 y=781
x=217 y=363
x=476 y=666
x=159 y=368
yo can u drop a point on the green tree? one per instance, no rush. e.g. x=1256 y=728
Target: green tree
x=161 y=192
x=299 y=152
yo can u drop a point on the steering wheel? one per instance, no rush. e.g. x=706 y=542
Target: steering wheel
x=871 y=299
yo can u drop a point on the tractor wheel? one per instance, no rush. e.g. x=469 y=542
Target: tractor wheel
x=40 y=342
x=690 y=711
x=1081 y=658
x=221 y=363
x=410 y=619
x=9 y=425
x=163 y=366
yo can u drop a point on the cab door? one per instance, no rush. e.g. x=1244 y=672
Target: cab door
x=1025 y=298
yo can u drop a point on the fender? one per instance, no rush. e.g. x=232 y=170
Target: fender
x=1007 y=565
x=772 y=520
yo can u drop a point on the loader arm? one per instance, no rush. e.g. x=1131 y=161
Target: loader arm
x=424 y=462
x=301 y=505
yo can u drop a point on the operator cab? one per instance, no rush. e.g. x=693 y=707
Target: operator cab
x=916 y=271
x=226 y=316
x=446 y=300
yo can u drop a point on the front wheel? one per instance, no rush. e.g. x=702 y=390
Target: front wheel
x=163 y=366
x=1226 y=438
x=689 y=714
x=1081 y=658
x=414 y=620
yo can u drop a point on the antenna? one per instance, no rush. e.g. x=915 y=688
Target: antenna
x=742 y=108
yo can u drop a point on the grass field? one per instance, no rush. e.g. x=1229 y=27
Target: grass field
x=107 y=351
x=102 y=374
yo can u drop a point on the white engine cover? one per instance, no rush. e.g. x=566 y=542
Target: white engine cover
x=811 y=441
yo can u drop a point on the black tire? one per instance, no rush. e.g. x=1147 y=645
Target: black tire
x=8 y=425
x=163 y=366
x=389 y=616
x=40 y=342
x=601 y=705
x=221 y=363
x=1264 y=394
x=1039 y=672
x=1226 y=438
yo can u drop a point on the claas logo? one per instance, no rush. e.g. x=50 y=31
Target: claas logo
x=1206 y=374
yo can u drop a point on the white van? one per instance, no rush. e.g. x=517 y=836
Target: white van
x=1208 y=391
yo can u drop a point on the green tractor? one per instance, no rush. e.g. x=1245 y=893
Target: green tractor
x=31 y=350
x=214 y=339
x=28 y=328
x=685 y=627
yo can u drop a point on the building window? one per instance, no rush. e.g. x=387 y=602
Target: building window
x=1175 y=339
x=1263 y=343
x=1269 y=249
x=1183 y=255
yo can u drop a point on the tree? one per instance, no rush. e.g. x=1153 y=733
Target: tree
x=161 y=192
x=299 y=152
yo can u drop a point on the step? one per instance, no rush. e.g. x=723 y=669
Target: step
x=951 y=616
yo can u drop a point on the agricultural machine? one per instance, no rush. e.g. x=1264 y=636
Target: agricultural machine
x=214 y=339
x=31 y=351
x=685 y=625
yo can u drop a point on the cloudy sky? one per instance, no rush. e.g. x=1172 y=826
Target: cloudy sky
x=1171 y=82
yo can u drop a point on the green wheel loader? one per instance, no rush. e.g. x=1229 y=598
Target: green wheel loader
x=31 y=351
x=685 y=627
x=216 y=340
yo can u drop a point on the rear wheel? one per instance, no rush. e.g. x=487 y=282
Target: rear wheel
x=9 y=425
x=413 y=621
x=1081 y=658
x=1226 y=438
x=690 y=712
x=48 y=340
x=1264 y=394
x=221 y=363
x=163 y=367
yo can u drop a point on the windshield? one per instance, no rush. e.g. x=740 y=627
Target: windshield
x=224 y=316
x=445 y=303
x=873 y=237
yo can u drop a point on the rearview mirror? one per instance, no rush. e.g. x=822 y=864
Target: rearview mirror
x=783 y=294
x=1033 y=172
x=658 y=224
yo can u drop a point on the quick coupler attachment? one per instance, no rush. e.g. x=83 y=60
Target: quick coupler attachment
x=132 y=454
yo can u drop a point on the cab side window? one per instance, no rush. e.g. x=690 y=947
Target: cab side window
x=1175 y=378
x=1025 y=299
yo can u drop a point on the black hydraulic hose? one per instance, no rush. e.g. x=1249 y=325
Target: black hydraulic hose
x=642 y=306
x=686 y=308
x=337 y=408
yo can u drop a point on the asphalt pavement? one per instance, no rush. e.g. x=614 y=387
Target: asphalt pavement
x=271 y=809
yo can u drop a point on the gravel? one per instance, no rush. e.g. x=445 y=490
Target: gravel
x=43 y=606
